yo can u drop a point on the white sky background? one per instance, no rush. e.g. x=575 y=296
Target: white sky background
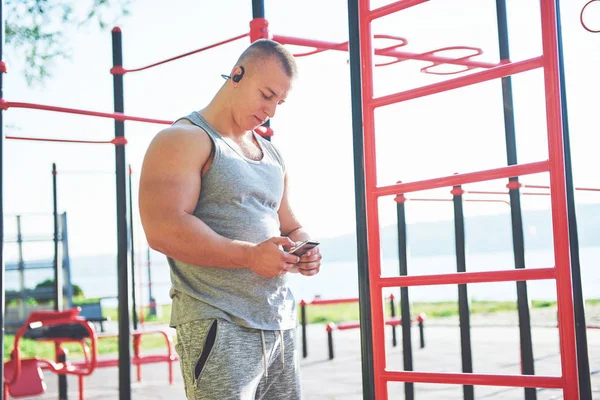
x=420 y=139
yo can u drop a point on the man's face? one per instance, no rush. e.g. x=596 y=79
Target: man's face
x=262 y=89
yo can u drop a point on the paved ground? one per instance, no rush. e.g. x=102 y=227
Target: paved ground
x=495 y=350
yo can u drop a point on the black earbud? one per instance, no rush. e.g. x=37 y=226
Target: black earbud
x=238 y=77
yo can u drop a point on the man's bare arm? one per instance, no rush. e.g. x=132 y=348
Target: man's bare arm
x=169 y=191
x=291 y=227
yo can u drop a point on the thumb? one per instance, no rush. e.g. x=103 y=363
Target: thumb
x=283 y=241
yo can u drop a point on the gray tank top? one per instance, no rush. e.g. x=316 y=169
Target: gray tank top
x=239 y=199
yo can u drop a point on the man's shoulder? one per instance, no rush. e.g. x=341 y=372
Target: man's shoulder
x=183 y=130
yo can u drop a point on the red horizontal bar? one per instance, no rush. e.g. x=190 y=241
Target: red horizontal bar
x=321 y=302
x=5 y=105
x=487 y=201
x=506 y=193
x=450 y=84
x=468 y=277
x=122 y=71
x=400 y=55
x=534 y=381
x=467 y=200
x=392 y=8
x=461 y=179
x=347 y=326
x=121 y=141
x=583 y=189
x=484 y=192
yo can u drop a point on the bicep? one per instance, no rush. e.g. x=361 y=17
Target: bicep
x=170 y=179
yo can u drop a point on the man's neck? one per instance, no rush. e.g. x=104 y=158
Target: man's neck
x=219 y=116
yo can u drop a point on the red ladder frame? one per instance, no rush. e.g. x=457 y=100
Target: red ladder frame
x=554 y=166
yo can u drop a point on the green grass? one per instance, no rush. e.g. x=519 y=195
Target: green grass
x=106 y=346
x=350 y=312
x=315 y=314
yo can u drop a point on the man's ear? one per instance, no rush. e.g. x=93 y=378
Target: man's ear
x=238 y=73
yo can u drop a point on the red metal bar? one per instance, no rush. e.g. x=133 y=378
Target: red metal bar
x=585 y=26
x=370 y=165
x=468 y=277
x=5 y=105
x=392 y=8
x=549 y=382
x=485 y=192
x=466 y=200
x=500 y=71
x=123 y=71
x=506 y=193
x=461 y=179
x=321 y=302
x=389 y=52
x=113 y=141
x=566 y=312
x=583 y=189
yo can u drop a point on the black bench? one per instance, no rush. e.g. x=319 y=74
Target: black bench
x=93 y=313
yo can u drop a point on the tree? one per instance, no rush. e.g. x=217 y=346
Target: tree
x=49 y=283
x=38 y=31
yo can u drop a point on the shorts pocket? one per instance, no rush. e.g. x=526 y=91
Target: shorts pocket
x=209 y=343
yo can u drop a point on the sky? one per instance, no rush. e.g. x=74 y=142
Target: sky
x=457 y=131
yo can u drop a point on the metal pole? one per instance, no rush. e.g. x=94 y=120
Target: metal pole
x=409 y=387
x=64 y=237
x=463 y=296
x=58 y=284
x=366 y=330
x=258 y=11
x=22 y=310
x=58 y=278
x=527 y=360
x=2 y=267
x=393 y=314
x=150 y=298
x=303 y=323
x=121 y=189
x=583 y=361
x=133 y=297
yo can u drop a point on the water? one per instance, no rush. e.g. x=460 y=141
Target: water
x=97 y=277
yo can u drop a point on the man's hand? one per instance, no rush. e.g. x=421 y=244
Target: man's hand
x=310 y=263
x=269 y=260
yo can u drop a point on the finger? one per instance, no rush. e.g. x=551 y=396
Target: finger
x=293 y=268
x=309 y=266
x=291 y=258
x=283 y=241
x=310 y=258
x=309 y=272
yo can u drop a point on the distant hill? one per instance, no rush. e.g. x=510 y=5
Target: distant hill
x=489 y=233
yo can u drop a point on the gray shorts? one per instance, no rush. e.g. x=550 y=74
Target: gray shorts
x=224 y=361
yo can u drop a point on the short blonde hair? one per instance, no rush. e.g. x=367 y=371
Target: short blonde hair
x=263 y=49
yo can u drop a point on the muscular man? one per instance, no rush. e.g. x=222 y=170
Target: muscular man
x=213 y=199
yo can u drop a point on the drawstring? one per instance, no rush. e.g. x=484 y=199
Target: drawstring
x=282 y=349
x=264 y=351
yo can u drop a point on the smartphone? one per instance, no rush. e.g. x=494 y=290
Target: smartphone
x=303 y=247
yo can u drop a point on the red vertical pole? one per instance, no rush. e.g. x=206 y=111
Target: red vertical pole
x=566 y=311
x=377 y=317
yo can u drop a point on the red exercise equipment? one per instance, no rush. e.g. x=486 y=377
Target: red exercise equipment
x=23 y=377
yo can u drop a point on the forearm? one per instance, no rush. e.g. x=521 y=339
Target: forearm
x=298 y=235
x=189 y=240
